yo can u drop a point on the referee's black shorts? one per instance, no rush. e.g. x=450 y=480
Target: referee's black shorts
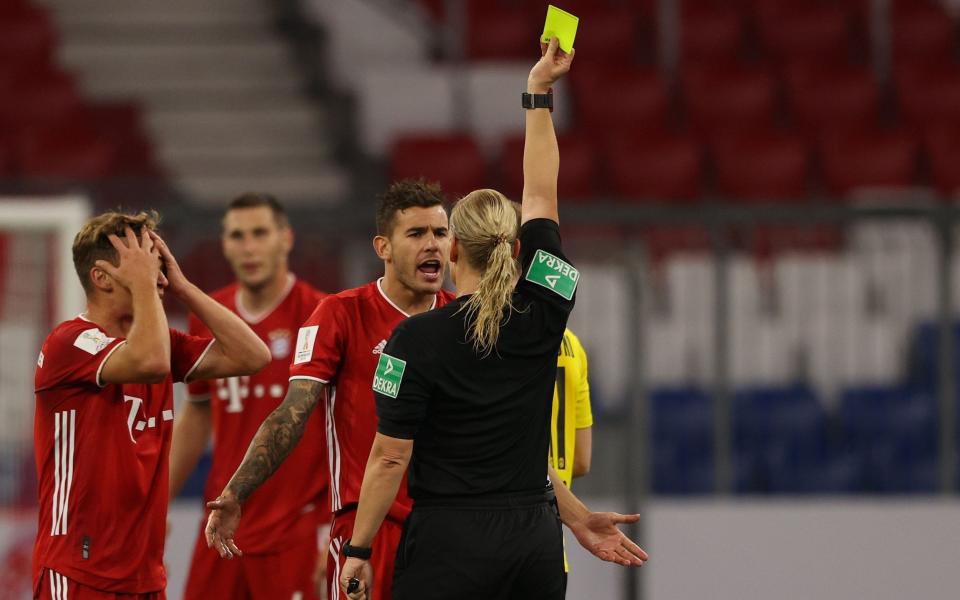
x=489 y=548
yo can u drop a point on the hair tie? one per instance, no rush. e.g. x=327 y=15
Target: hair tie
x=500 y=238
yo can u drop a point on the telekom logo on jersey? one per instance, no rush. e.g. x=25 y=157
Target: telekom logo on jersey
x=139 y=424
x=237 y=389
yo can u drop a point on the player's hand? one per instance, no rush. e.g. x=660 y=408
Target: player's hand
x=361 y=569
x=178 y=281
x=139 y=260
x=222 y=525
x=553 y=64
x=599 y=534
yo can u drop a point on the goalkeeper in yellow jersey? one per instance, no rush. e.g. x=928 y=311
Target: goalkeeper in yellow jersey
x=571 y=419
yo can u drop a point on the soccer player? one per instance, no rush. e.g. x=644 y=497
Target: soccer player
x=571 y=419
x=334 y=359
x=104 y=412
x=280 y=533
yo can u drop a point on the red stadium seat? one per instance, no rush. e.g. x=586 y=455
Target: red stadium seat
x=646 y=8
x=929 y=94
x=832 y=96
x=943 y=150
x=728 y=96
x=71 y=150
x=43 y=98
x=612 y=36
x=710 y=31
x=655 y=167
x=762 y=165
x=121 y=124
x=869 y=158
x=205 y=264
x=497 y=33
x=579 y=174
x=6 y=157
x=805 y=30
x=922 y=30
x=642 y=97
x=455 y=161
x=26 y=34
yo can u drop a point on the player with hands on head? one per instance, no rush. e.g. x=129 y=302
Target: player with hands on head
x=104 y=411
x=472 y=384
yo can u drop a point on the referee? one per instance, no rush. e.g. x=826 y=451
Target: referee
x=464 y=397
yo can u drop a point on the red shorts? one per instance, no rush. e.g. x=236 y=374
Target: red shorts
x=287 y=575
x=385 y=545
x=54 y=586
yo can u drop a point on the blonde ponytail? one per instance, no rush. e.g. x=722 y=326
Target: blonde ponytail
x=486 y=224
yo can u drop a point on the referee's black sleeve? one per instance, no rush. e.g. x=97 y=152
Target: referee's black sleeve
x=401 y=409
x=546 y=275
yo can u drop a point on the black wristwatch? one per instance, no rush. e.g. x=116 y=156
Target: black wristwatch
x=529 y=100
x=356 y=551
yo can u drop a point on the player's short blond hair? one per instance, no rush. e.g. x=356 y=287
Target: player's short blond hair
x=92 y=242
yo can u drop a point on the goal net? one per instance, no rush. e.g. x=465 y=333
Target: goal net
x=38 y=288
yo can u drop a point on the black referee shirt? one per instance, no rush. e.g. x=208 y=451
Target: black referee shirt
x=480 y=425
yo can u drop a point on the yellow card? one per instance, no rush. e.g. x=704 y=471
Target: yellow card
x=561 y=25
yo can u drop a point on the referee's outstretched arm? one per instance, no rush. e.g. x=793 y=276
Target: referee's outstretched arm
x=541 y=156
x=597 y=532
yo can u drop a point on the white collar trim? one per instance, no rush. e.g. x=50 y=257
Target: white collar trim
x=391 y=303
x=255 y=318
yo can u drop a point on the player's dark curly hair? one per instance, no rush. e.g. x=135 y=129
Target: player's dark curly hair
x=405 y=194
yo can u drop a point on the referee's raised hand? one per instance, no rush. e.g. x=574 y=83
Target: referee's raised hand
x=598 y=533
x=553 y=64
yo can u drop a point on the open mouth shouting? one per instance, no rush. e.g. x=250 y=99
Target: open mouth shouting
x=430 y=269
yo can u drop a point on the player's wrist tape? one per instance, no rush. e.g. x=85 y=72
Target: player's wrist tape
x=529 y=101
x=356 y=551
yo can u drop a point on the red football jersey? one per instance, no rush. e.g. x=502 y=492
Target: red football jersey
x=292 y=503
x=102 y=461
x=340 y=345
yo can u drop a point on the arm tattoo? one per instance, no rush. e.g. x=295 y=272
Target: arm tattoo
x=276 y=437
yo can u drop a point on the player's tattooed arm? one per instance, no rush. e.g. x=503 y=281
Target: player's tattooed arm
x=276 y=438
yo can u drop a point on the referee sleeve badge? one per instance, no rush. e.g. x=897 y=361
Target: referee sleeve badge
x=553 y=273
x=389 y=375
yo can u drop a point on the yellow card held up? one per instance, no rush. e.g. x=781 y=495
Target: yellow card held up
x=561 y=25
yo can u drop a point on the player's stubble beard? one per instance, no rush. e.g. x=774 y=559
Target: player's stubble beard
x=403 y=260
x=272 y=269
x=405 y=271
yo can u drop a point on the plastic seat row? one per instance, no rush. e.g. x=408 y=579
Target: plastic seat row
x=882 y=439
x=759 y=165
x=718 y=96
x=622 y=31
x=48 y=130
